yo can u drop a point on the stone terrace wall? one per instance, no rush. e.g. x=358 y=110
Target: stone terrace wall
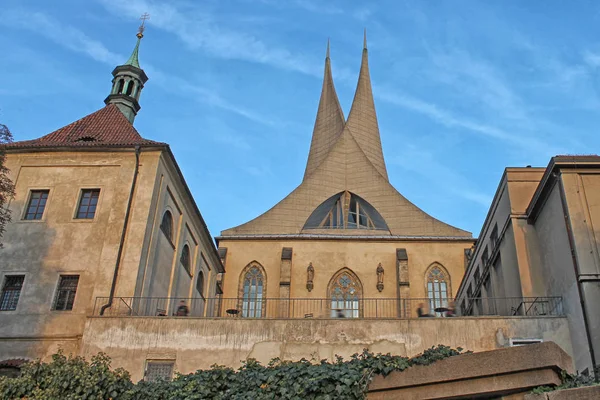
x=199 y=343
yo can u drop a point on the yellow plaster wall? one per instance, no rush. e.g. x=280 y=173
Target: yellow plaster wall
x=329 y=256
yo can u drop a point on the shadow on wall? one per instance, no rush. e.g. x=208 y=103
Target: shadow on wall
x=30 y=270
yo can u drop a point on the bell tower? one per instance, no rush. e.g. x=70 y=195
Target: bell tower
x=128 y=81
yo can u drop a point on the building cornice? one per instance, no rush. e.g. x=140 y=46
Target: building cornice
x=378 y=238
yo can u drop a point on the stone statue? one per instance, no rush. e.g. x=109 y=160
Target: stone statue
x=379 y=277
x=310 y=275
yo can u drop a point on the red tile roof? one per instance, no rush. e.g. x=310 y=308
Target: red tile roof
x=106 y=127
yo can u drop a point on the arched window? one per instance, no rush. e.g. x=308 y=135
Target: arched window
x=345 y=292
x=200 y=283
x=438 y=287
x=166 y=225
x=185 y=259
x=129 y=88
x=252 y=291
x=345 y=210
x=121 y=85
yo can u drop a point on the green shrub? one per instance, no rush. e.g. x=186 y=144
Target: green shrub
x=74 y=378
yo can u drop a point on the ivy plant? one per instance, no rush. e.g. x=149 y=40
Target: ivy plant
x=75 y=378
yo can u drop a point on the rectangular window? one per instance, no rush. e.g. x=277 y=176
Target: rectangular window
x=88 y=203
x=37 y=204
x=159 y=370
x=65 y=295
x=11 y=290
x=477 y=276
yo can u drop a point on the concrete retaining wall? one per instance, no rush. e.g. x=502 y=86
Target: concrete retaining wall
x=198 y=343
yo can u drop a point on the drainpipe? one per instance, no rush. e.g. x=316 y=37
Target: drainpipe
x=577 y=271
x=125 y=224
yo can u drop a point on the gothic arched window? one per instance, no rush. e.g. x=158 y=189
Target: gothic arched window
x=166 y=225
x=438 y=286
x=253 y=291
x=345 y=292
x=185 y=259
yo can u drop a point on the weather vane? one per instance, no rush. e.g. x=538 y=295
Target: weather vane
x=145 y=16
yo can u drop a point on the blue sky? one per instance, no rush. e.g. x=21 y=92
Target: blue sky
x=462 y=88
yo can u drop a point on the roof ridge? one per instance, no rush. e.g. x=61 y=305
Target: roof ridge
x=329 y=122
x=362 y=118
x=104 y=127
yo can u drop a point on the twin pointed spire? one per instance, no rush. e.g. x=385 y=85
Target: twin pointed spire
x=362 y=120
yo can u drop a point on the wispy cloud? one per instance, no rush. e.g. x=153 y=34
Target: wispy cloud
x=425 y=163
x=451 y=120
x=200 y=30
x=66 y=36
x=77 y=41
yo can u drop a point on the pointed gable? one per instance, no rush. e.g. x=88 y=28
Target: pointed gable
x=328 y=124
x=107 y=127
x=362 y=120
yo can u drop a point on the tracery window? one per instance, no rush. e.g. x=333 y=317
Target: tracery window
x=345 y=210
x=438 y=283
x=345 y=291
x=253 y=286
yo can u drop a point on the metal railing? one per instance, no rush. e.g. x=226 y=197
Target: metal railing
x=277 y=308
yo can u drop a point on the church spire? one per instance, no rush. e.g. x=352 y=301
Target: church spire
x=128 y=81
x=329 y=122
x=362 y=120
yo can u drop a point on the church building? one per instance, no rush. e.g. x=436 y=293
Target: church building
x=345 y=238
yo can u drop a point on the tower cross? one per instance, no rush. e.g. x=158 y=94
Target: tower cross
x=145 y=16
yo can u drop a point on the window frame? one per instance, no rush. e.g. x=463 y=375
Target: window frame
x=437 y=287
x=59 y=290
x=159 y=362
x=3 y=289
x=351 y=306
x=28 y=205
x=253 y=306
x=79 y=204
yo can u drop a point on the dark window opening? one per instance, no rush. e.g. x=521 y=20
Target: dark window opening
x=166 y=225
x=65 y=295
x=129 y=88
x=88 y=203
x=86 y=139
x=11 y=291
x=200 y=284
x=185 y=259
x=37 y=204
x=120 y=88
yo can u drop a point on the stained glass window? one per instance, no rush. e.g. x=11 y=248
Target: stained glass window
x=345 y=292
x=437 y=288
x=253 y=290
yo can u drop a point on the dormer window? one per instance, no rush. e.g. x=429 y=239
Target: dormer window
x=345 y=210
